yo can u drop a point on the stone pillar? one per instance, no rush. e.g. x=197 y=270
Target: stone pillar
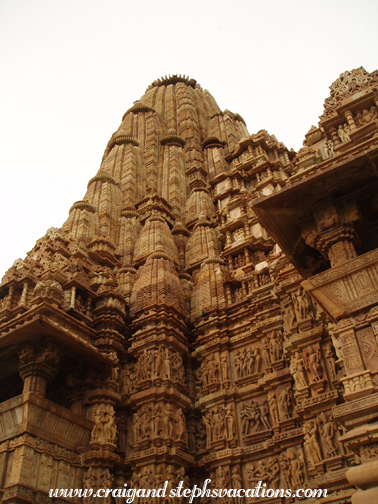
x=349 y=118
x=230 y=263
x=247 y=257
x=36 y=375
x=73 y=295
x=37 y=368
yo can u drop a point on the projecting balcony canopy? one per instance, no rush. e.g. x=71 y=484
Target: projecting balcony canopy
x=351 y=177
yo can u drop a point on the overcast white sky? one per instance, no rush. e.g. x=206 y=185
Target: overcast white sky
x=71 y=68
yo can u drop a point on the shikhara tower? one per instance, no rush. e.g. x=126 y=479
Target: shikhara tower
x=166 y=331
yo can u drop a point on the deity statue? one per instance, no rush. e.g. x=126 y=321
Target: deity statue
x=297 y=367
x=328 y=431
x=313 y=366
x=311 y=444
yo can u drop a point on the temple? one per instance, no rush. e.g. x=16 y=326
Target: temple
x=208 y=310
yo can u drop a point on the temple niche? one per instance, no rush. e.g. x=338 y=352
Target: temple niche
x=208 y=310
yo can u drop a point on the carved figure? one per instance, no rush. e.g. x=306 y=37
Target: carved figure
x=181 y=476
x=213 y=369
x=313 y=360
x=328 y=432
x=218 y=423
x=170 y=477
x=89 y=482
x=284 y=403
x=264 y=411
x=296 y=470
x=273 y=407
x=343 y=134
x=192 y=431
x=238 y=364
x=237 y=482
x=250 y=415
x=50 y=355
x=230 y=421
x=110 y=428
x=257 y=357
x=265 y=350
x=273 y=473
x=106 y=482
x=145 y=424
x=224 y=368
x=297 y=367
x=208 y=421
x=157 y=420
x=329 y=355
x=168 y=418
x=158 y=478
x=275 y=348
x=250 y=360
x=158 y=357
x=257 y=474
x=26 y=354
x=288 y=317
x=311 y=444
x=329 y=148
x=180 y=427
x=301 y=304
x=285 y=470
x=137 y=427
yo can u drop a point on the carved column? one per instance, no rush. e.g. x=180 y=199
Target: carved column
x=334 y=136
x=349 y=118
x=38 y=368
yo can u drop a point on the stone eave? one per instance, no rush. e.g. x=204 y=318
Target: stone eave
x=279 y=212
x=34 y=324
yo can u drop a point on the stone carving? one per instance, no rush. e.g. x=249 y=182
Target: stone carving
x=157 y=419
x=275 y=346
x=254 y=415
x=329 y=355
x=302 y=305
x=144 y=366
x=50 y=355
x=329 y=150
x=89 y=483
x=328 y=431
x=311 y=444
x=343 y=132
x=26 y=354
x=180 y=430
x=273 y=408
x=106 y=481
x=230 y=421
x=313 y=364
x=237 y=482
x=161 y=363
x=105 y=429
x=284 y=404
x=297 y=370
x=269 y=473
x=247 y=361
x=296 y=469
x=219 y=423
x=113 y=314
x=288 y=316
x=366 y=116
x=224 y=368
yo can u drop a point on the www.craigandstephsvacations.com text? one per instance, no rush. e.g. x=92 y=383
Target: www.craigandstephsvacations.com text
x=129 y=494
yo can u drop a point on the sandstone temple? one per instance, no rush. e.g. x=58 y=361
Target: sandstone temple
x=209 y=310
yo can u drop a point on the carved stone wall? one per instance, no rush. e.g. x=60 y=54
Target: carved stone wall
x=208 y=310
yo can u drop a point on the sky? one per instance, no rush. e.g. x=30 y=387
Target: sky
x=71 y=68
